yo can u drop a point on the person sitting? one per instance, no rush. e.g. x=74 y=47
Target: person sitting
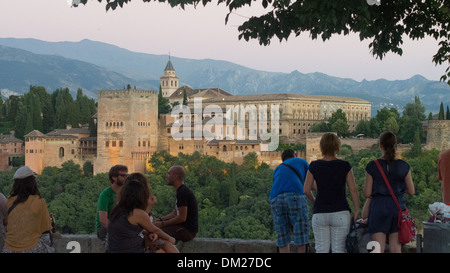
x=28 y=228
x=182 y=222
x=129 y=221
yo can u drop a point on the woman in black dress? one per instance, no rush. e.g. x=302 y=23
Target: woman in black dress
x=383 y=212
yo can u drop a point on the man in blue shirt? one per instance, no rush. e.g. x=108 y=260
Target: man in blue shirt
x=289 y=204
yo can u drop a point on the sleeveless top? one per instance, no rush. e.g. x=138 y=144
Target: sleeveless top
x=331 y=181
x=124 y=237
x=396 y=173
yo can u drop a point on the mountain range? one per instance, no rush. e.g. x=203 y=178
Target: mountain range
x=94 y=66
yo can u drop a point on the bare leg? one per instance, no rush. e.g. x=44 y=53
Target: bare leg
x=284 y=249
x=380 y=237
x=394 y=245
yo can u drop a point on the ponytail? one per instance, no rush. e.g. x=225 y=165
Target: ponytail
x=389 y=142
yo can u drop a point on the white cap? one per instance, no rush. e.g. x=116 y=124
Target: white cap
x=23 y=172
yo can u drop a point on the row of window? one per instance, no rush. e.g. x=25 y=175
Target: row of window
x=172 y=83
x=119 y=143
x=114 y=123
x=346 y=107
x=40 y=151
x=143 y=123
x=300 y=131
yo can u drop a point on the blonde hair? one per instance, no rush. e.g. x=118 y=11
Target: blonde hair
x=329 y=144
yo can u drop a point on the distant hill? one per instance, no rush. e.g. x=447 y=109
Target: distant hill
x=19 y=69
x=94 y=65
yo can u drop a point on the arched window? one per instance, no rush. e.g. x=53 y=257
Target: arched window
x=61 y=152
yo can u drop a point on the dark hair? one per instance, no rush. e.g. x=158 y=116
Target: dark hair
x=287 y=154
x=114 y=171
x=329 y=144
x=22 y=188
x=134 y=194
x=389 y=142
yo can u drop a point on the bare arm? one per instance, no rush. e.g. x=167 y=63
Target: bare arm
x=353 y=193
x=3 y=209
x=309 y=184
x=103 y=216
x=173 y=218
x=368 y=186
x=141 y=217
x=409 y=184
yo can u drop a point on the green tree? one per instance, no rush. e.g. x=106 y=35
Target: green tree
x=416 y=148
x=341 y=127
x=391 y=125
x=447 y=115
x=88 y=168
x=184 y=97
x=163 y=103
x=338 y=123
x=86 y=107
x=363 y=127
x=441 y=112
x=12 y=107
x=385 y=114
x=411 y=121
x=20 y=122
x=321 y=127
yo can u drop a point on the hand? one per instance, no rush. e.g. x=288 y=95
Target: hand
x=153 y=236
x=157 y=222
x=172 y=240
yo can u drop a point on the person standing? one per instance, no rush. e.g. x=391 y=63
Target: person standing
x=182 y=222
x=383 y=212
x=107 y=200
x=3 y=219
x=444 y=175
x=288 y=203
x=331 y=211
x=28 y=218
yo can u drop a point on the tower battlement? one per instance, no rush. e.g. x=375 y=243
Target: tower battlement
x=125 y=93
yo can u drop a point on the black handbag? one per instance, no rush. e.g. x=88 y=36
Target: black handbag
x=351 y=242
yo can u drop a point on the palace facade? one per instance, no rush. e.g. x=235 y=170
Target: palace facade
x=129 y=130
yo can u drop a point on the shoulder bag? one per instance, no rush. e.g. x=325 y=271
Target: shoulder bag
x=295 y=171
x=351 y=242
x=406 y=225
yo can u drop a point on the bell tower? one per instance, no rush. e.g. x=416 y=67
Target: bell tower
x=169 y=80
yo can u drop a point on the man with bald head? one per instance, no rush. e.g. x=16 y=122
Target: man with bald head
x=182 y=222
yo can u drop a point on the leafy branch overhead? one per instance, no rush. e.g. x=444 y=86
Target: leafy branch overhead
x=386 y=24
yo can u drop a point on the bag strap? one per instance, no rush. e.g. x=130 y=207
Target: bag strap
x=12 y=207
x=387 y=184
x=294 y=170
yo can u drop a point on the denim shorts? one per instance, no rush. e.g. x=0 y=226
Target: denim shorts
x=290 y=217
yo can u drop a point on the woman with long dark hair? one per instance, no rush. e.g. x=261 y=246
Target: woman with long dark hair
x=383 y=212
x=28 y=218
x=130 y=221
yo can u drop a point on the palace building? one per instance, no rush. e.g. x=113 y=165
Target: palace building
x=129 y=130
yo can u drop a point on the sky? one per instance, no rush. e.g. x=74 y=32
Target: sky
x=201 y=33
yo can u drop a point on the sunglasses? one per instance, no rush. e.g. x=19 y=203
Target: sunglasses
x=123 y=174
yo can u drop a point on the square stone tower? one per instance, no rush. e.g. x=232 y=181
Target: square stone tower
x=127 y=128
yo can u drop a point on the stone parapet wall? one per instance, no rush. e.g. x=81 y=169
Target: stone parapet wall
x=91 y=244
